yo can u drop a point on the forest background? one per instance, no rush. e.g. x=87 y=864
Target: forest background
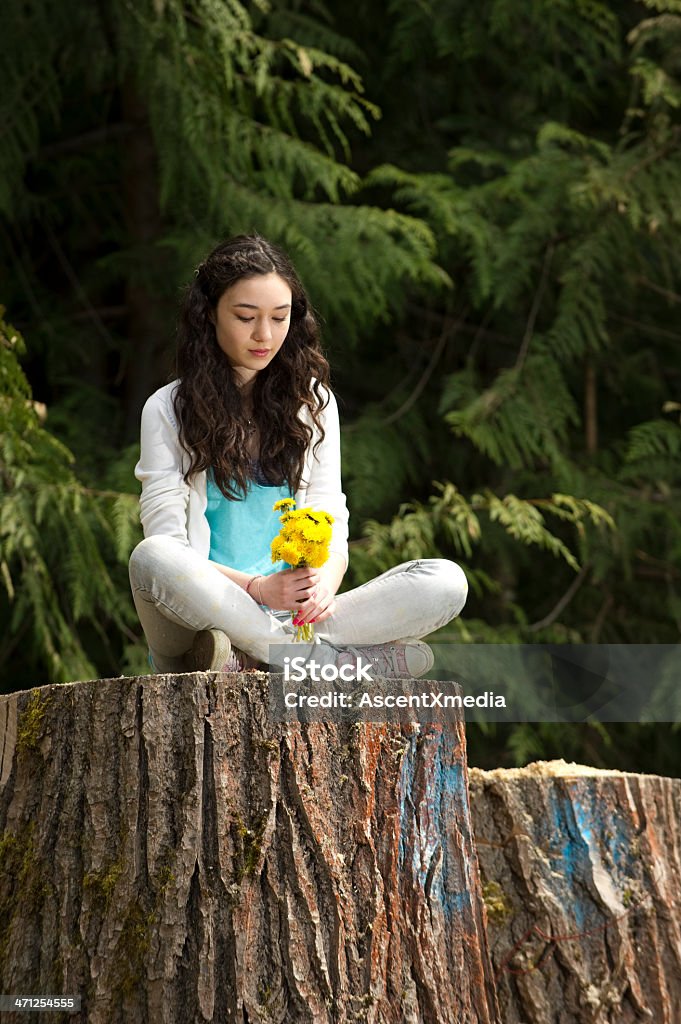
x=484 y=203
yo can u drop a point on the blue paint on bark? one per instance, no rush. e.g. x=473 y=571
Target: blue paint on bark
x=428 y=807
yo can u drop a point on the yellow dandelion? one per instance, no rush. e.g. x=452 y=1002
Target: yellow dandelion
x=317 y=555
x=289 y=531
x=291 y=553
x=310 y=530
x=303 y=540
x=307 y=550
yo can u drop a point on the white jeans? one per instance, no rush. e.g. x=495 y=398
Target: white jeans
x=177 y=592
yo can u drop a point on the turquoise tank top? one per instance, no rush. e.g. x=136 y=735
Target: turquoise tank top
x=241 y=531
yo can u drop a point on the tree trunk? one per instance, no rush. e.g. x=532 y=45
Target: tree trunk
x=581 y=872
x=172 y=855
x=148 y=293
x=590 y=407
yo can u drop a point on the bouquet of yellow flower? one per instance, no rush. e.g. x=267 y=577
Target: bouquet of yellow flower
x=303 y=540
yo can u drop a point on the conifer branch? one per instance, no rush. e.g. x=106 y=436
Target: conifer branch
x=672 y=296
x=108 y=132
x=446 y=335
x=563 y=602
x=656 y=156
x=536 y=305
x=649 y=328
x=77 y=285
x=601 y=616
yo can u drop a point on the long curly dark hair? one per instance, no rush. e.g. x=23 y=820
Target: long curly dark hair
x=208 y=404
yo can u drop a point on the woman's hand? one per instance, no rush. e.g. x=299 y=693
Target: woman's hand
x=320 y=604
x=304 y=592
x=286 y=589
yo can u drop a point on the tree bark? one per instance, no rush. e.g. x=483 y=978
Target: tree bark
x=171 y=854
x=147 y=292
x=581 y=872
x=590 y=407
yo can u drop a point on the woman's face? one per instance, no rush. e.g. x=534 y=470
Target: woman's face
x=252 y=319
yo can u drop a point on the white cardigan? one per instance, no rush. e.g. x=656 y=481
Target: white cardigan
x=170 y=506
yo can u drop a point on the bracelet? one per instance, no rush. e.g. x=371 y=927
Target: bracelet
x=248 y=585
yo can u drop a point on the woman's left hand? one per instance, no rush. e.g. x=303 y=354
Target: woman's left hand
x=320 y=605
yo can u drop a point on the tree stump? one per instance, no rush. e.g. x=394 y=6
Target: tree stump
x=170 y=854
x=581 y=872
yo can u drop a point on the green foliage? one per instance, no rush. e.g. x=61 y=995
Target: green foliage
x=511 y=421
x=496 y=259
x=564 y=230
x=381 y=458
x=247 y=122
x=54 y=536
x=651 y=442
x=451 y=526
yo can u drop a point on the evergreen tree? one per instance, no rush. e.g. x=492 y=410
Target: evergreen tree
x=556 y=217
x=136 y=136
x=495 y=258
x=540 y=142
x=58 y=542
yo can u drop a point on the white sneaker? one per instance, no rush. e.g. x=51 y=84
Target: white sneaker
x=212 y=651
x=402 y=659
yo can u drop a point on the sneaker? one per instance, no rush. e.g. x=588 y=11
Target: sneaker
x=212 y=651
x=403 y=659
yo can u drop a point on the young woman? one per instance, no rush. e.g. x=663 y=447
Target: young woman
x=251 y=419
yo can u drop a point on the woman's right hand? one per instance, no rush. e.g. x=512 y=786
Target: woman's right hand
x=287 y=589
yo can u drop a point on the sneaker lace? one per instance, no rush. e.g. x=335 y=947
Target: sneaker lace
x=233 y=664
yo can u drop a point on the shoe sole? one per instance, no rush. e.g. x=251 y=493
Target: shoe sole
x=210 y=651
x=423 y=648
